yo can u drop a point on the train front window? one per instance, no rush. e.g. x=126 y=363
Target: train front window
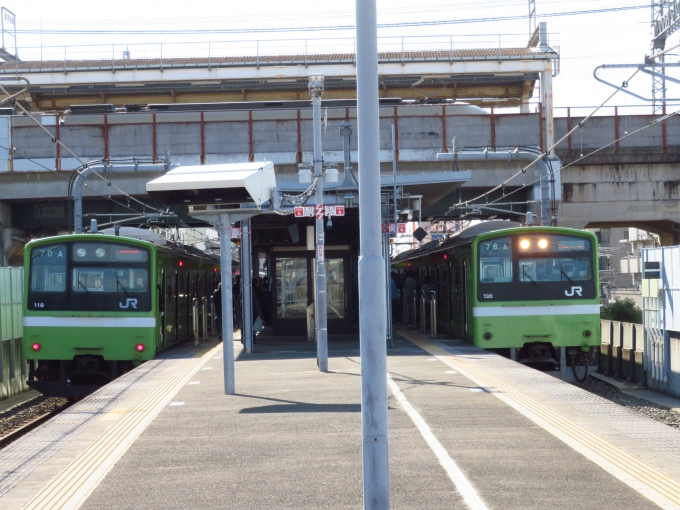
x=118 y=279
x=495 y=260
x=555 y=269
x=92 y=276
x=48 y=268
x=536 y=266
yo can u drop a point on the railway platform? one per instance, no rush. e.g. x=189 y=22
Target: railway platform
x=468 y=429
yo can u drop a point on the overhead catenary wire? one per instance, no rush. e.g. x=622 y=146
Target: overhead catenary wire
x=544 y=154
x=83 y=163
x=578 y=160
x=242 y=30
x=23 y=156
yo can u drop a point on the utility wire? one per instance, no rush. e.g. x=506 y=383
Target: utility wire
x=404 y=24
x=553 y=172
x=580 y=125
x=13 y=150
x=83 y=163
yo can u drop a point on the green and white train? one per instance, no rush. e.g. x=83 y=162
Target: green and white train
x=520 y=291
x=97 y=305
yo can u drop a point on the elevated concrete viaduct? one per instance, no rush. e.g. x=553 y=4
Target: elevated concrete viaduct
x=632 y=183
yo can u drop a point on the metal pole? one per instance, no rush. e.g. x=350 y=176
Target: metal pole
x=226 y=305
x=78 y=200
x=372 y=316
x=316 y=90
x=247 y=294
x=388 y=288
x=346 y=133
x=394 y=178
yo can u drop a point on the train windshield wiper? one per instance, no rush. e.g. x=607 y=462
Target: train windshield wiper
x=83 y=286
x=567 y=276
x=121 y=286
x=489 y=253
x=524 y=273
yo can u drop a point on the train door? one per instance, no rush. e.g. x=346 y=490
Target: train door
x=467 y=301
x=443 y=303
x=162 y=307
x=187 y=305
x=457 y=299
x=175 y=300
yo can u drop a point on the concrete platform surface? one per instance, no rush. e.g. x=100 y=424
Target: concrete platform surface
x=468 y=429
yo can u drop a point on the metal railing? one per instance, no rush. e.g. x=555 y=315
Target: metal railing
x=433 y=315
x=204 y=317
x=261 y=48
x=194 y=316
x=423 y=308
x=213 y=317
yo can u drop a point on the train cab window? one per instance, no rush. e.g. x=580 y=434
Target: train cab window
x=48 y=268
x=495 y=260
x=100 y=279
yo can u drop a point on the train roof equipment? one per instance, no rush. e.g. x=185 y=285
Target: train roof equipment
x=459 y=238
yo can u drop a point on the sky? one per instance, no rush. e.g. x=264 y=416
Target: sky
x=585 y=41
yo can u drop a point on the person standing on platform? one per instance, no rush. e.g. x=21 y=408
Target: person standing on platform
x=217 y=299
x=410 y=286
x=394 y=296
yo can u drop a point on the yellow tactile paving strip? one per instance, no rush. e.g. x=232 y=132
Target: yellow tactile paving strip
x=73 y=485
x=659 y=487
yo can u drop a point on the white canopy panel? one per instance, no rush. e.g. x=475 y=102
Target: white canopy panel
x=215 y=184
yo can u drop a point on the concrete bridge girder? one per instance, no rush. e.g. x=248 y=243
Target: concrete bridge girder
x=646 y=196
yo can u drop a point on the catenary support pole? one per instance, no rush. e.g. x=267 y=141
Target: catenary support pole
x=316 y=90
x=372 y=316
x=226 y=306
x=246 y=279
x=78 y=200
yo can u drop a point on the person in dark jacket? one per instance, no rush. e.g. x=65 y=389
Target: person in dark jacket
x=217 y=299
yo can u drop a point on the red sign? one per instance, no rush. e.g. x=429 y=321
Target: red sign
x=401 y=228
x=319 y=253
x=304 y=212
x=387 y=228
x=335 y=210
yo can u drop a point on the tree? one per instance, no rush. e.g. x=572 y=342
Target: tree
x=624 y=310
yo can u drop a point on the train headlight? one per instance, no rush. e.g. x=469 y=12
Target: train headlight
x=543 y=244
x=487 y=336
x=36 y=346
x=140 y=348
x=81 y=252
x=524 y=244
x=100 y=252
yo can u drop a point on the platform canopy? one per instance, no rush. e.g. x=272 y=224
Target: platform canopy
x=234 y=183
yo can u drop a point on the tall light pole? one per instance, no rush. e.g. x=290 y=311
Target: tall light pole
x=372 y=306
x=316 y=90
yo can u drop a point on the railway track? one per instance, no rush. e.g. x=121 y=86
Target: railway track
x=21 y=419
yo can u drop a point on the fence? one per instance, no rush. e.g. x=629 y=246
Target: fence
x=622 y=350
x=12 y=365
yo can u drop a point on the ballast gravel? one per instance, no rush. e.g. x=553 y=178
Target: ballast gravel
x=18 y=416
x=635 y=404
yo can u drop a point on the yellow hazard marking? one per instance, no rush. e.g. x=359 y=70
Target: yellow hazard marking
x=71 y=487
x=651 y=482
